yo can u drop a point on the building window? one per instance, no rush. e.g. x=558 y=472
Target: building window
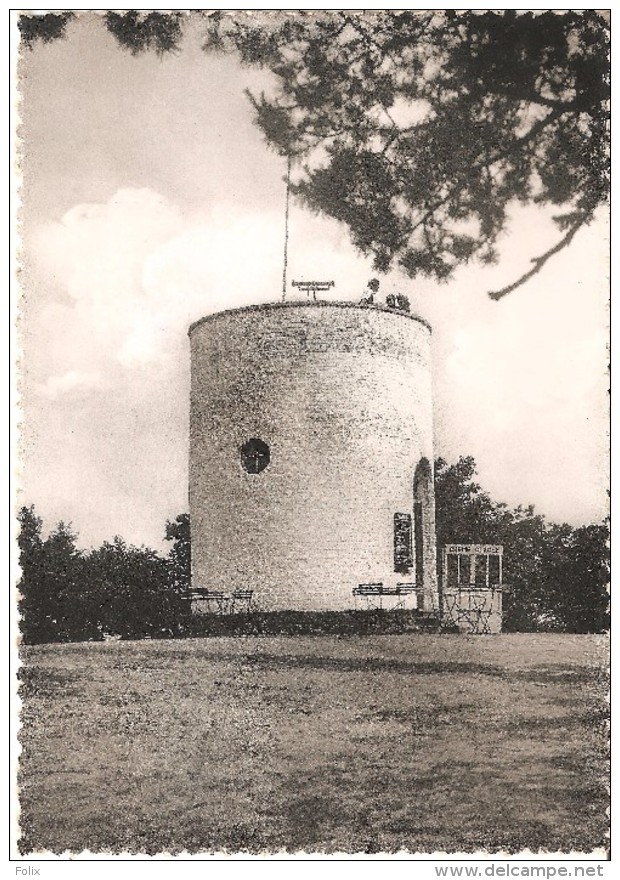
x=254 y=456
x=403 y=548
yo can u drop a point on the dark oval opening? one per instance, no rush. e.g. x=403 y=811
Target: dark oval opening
x=255 y=456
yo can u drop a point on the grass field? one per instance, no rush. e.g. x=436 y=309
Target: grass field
x=424 y=743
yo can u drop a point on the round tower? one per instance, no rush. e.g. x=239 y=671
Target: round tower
x=311 y=450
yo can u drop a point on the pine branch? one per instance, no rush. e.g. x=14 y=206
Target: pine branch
x=487 y=161
x=540 y=261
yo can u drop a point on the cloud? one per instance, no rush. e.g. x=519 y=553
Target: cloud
x=96 y=250
x=69 y=382
x=114 y=288
x=116 y=284
x=138 y=272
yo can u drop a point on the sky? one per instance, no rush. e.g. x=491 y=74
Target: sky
x=149 y=199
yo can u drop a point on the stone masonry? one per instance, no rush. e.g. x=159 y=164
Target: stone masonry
x=339 y=396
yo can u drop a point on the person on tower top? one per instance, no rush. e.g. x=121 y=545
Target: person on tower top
x=372 y=290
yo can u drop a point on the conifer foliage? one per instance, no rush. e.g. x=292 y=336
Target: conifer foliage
x=418 y=130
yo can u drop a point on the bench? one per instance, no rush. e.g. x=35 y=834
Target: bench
x=368 y=590
x=210 y=597
x=225 y=603
x=241 y=598
x=407 y=589
x=374 y=593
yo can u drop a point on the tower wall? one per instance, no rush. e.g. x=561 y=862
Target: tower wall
x=341 y=395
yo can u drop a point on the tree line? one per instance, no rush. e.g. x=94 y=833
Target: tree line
x=68 y=594
x=557 y=575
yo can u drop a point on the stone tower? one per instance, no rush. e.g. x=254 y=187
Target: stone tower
x=311 y=450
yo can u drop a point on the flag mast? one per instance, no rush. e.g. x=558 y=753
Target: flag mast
x=288 y=188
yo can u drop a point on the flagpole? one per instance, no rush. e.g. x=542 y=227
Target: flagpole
x=288 y=187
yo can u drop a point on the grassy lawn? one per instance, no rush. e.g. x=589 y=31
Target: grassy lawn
x=424 y=743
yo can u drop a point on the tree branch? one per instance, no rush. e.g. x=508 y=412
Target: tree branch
x=531 y=97
x=491 y=160
x=539 y=262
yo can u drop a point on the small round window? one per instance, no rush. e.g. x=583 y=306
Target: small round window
x=254 y=456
